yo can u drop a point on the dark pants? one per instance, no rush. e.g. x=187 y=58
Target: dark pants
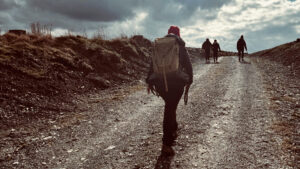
x=207 y=55
x=215 y=56
x=241 y=55
x=171 y=99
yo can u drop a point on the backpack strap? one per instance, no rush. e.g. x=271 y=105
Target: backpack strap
x=165 y=76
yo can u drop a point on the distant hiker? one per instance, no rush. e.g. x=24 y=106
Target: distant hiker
x=241 y=45
x=170 y=71
x=206 y=46
x=216 y=48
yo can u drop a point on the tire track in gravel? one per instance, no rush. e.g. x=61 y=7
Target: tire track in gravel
x=225 y=125
x=235 y=132
x=133 y=140
x=197 y=116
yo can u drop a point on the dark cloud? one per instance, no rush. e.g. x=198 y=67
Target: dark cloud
x=7 y=4
x=205 y=4
x=179 y=12
x=3 y=20
x=126 y=16
x=67 y=12
x=88 y=10
x=88 y=15
x=113 y=10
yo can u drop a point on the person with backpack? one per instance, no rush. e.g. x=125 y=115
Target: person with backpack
x=216 y=48
x=169 y=73
x=206 y=46
x=241 y=45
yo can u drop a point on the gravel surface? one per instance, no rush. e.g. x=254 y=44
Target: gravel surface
x=226 y=124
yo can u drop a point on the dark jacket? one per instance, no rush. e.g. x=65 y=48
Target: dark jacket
x=184 y=61
x=241 y=44
x=206 y=45
x=216 y=47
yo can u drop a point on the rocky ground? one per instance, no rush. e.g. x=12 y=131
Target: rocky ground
x=235 y=118
x=73 y=102
x=282 y=85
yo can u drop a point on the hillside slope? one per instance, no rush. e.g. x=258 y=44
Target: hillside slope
x=280 y=67
x=39 y=75
x=288 y=54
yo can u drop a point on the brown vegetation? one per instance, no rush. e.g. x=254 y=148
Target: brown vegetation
x=288 y=54
x=40 y=74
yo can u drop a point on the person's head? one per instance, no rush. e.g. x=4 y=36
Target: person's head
x=215 y=40
x=175 y=30
x=207 y=39
x=242 y=36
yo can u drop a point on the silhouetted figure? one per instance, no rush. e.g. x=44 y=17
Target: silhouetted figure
x=216 y=49
x=241 y=45
x=171 y=85
x=206 y=46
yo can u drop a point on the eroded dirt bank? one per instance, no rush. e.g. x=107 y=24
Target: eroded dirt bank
x=228 y=123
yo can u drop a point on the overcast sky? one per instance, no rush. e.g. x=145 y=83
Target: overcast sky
x=264 y=23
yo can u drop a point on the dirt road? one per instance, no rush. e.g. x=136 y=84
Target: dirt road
x=226 y=124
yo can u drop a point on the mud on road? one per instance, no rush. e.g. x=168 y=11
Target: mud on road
x=226 y=124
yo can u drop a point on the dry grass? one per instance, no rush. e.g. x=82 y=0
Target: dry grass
x=5 y=58
x=34 y=73
x=283 y=128
x=43 y=40
x=39 y=29
x=287 y=54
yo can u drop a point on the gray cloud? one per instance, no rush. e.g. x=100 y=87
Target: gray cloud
x=7 y=4
x=180 y=12
x=90 y=14
x=271 y=36
x=205 y=4
x=199 y=18
x=88 y=10
x=171 y=11
x=112 y=10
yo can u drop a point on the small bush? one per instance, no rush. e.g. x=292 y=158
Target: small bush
x=43 y=40
x=9 y=37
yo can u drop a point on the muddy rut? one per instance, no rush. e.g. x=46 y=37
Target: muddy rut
x=226 y=124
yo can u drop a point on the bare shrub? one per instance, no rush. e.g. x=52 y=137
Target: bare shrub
x=70 y=32
x=84 y=33
x=100 y=33
x=135 y=33
x=38 y=29
x=123 y=36
x=24 y=38
x=10 y=37
x=43 y=40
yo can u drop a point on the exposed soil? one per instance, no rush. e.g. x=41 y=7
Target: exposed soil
x=40 y=75
x=229 y=122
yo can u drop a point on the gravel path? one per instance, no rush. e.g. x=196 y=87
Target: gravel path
x=226 y=124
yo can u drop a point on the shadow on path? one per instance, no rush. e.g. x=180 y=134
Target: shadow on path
x=245 y=62
x=163 y=161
